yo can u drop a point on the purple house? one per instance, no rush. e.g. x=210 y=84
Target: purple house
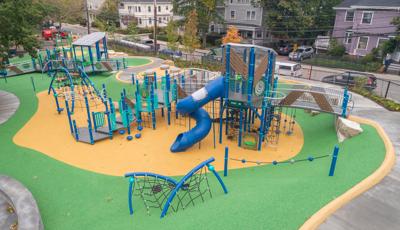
x=362 y=25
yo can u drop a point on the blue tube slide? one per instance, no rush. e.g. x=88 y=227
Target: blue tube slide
x=192 y=105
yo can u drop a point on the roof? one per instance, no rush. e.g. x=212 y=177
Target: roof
x=369 y=4
x=90 y=39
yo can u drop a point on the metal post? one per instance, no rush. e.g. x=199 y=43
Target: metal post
x=226 y=161
x=91 y=57
x=387 y=89
x=33 y=84
x=333 y=162
x=69 y=116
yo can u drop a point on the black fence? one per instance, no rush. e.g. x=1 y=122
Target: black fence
x=384 y=88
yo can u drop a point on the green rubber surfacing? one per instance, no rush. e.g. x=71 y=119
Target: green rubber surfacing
x=262 y=197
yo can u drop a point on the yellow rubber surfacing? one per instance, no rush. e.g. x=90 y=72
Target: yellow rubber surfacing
x=48 y=132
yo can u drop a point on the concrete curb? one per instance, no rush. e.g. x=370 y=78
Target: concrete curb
x=23 y=203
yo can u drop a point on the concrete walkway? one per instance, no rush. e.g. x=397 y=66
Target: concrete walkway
x=9 y=104
x=126 y=74
x=379 y=207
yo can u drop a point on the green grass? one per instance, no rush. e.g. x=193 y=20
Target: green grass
x=137 y=61
x=343 y=63
x=264 y=197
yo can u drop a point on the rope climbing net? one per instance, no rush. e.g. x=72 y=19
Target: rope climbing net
x=154 y=191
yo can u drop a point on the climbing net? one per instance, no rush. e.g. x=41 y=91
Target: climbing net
x=154 y=191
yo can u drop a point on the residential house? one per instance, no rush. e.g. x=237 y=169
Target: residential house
x=362 y=25
x=94 y=8
x=246 y=16
x=143 y=12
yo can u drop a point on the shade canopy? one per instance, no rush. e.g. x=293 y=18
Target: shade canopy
x=90 y=39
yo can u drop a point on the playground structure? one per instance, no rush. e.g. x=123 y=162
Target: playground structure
x=162 y=192
x=89 y=52
x=247 y=102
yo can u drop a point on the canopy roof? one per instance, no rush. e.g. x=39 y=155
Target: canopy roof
x=90 y=39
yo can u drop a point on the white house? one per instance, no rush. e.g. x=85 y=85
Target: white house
x=143 y=12
x=94 y=7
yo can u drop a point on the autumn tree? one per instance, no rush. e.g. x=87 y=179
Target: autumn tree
x=172 y=35
x=206 y=10
x=190 y=39
x=232 y=36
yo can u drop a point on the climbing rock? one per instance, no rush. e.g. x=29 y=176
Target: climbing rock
x=347 y=129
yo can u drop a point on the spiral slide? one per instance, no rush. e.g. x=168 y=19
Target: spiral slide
x=192 y=105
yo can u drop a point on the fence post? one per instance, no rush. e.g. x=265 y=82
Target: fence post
x=387 y=89
x=226 y=161
x=309 y=77
x=33 y=84
x=333 y=162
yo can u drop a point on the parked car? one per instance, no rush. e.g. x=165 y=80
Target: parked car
x=285 y=49
x=172 y=53
x=288 y=69
x=301 y=53
x=350 y=78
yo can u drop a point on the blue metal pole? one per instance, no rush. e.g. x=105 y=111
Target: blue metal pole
x=240 y=127
x=345 y=102
x=251 y=76
x=153 y=114
x=82 y=55
x=75 y=130
x=130 y=194
x=105 y=48
x=168 y=87
x=108 y=114
x=33 y=84
x=69 y=116
x=94 y=121
x=98 y=53
x=226 y=158
x=333 y=162
x=91 y=57
x=218 y=178
x=89 y=120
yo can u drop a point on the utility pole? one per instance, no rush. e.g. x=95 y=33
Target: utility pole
x=155 y=26
x=87 y=16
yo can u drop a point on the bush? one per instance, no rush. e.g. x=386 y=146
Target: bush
x=368 y=59
x=336 y=49
x=387 y=103
x=346 y=62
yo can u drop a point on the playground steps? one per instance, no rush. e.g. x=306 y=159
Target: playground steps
x=105 y=130
x=85 y=137
x=107 y=66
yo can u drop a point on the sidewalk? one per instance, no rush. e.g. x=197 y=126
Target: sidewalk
x=379 y=207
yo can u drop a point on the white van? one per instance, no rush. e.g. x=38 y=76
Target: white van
x=288 y=69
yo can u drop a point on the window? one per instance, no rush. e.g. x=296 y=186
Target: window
x=212 y=28
x=140 y=21
x=381 y=41
x=150 y=21
x=349 y=16
x=149 y=8
x=166 y=8
x=259 y=34
x=347 y=37
x=233 y=14
x=159 y=8
x=251 y=15
x=139 y=9
x=362 y=43
x=367 y=17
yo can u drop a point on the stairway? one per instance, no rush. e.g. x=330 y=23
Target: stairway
x=394 y=68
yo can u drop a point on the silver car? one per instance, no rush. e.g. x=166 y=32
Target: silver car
x=301 y=53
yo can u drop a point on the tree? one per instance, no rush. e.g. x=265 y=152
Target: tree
x=64 y=11
x=206 y=10
x=232 y=35
x=109 y=13
x=132 y=29
x=299 y=19
x=190 y=39
x=19 y=21
x=172 y=35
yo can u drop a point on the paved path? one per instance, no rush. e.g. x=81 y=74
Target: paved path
x=126 y=74
x=379 y=207
x=9 y=103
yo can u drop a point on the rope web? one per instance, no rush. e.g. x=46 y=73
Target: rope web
x=155 y=191
x=194 y=189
